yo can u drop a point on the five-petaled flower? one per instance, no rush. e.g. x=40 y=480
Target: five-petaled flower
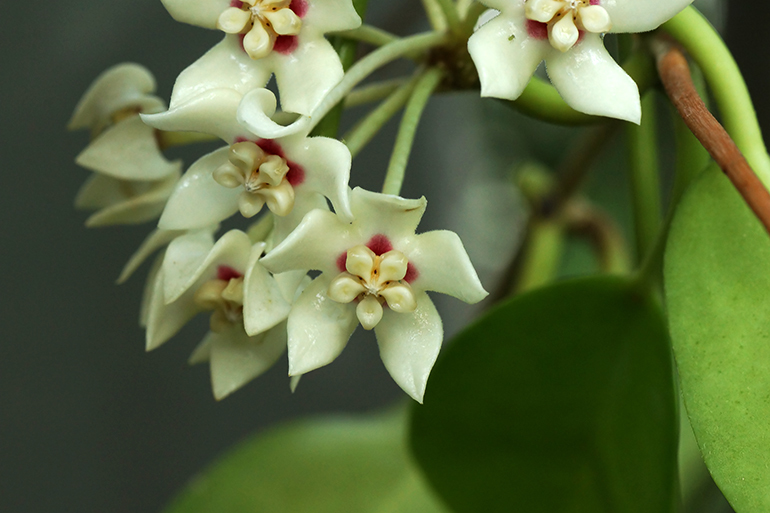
x=132 y=179
x=248 y=305
x=567 y=35
x=264 y=37
x=289 y=175
x=375 y=272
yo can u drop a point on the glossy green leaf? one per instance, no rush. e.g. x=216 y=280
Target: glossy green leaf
x=334 y=465
x=558 y=401
x=717 y=278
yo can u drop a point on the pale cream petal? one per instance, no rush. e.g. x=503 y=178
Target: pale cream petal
x=636 y=16
x=141 y=201
x=184 y=256
x=165 y=320
x=590 y=81
x=330 y=16
x=409 y=345
x=122 y=86
x=392 y=216
x=198 y=200
x=237 y=358
x=255 y=113
x=128 y=150
x=326 y=164
x=318 y=328
x=264 y=304
x=225 y=66
x=202 y=352
x=317 y=243
x=153 y=242
x=307 y=74
x=442 y=265
x=203 y=13
x=211 y=112
x=148 y=289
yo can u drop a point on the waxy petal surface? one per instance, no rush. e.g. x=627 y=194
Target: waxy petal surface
x=264 y=303
x=318 y=328
x=590 y=81
x=409 y=345
x=128 y=151
x=198 y=200
x=505 y=56
x=203 y=13
x=636 y=16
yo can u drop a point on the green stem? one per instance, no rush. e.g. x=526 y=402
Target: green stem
x=372 y=62
x=435 y=15
x=368 y=34
x=693 y=31
x=425 y=86
x=451 y=16
x=346 y=49
x=373 y=92
x=645 y=177
x=541 y=254
x=360 y=135
x=541 y=100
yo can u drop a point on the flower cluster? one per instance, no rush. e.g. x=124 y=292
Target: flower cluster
x=374 y=269
x=254 y=286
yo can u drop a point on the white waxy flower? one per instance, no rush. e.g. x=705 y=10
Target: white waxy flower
x=374 y=272
x=567 y=35
x=246 y=304
x=132 y=178
x=287 y=175
x=264 y=37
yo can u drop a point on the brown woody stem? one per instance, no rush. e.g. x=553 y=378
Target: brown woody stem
x=675 y=75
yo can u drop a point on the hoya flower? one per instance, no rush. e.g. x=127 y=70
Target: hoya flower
x=374 y=272
x=264 y=37
x=132 y=179
x=247 y=305
x=567 y=34
x=287 y=175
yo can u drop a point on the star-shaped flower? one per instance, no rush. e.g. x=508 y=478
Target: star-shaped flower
x=248 y=305
x=289 y=175
x=375 y=272
x=132 y=178
x=567 y=35
x=264 y=37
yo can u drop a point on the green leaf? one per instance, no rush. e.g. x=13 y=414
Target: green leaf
x=717 y=277
x=559 y=401
x=322 y=466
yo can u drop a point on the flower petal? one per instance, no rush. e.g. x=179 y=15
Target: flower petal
x=153 y=242
x=307 y=74
x=634 y=16
x=148 y=289
x=129 y=151
x=315 y=244
x=318 y=327
x=442 y=265
x=165 y=320
x=203 y=13
x=225 y=66
x=124 y=202
x=330 y=16
x=255 y=113
x=392 y=216
x=202 y=352
x=211 y=112
x=264 y=304
x=191 y=259
x=119 y=87
x=590 y=81
x=304 y=201
x=198 y=200
x=327 y=168
x=237 y=358
x=409 y=345
x=505 y=55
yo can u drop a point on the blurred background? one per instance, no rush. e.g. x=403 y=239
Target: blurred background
x=89 y=422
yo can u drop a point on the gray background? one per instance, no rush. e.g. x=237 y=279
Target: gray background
x=88 y=421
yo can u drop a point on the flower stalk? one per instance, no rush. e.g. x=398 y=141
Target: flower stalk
x=424 y=88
